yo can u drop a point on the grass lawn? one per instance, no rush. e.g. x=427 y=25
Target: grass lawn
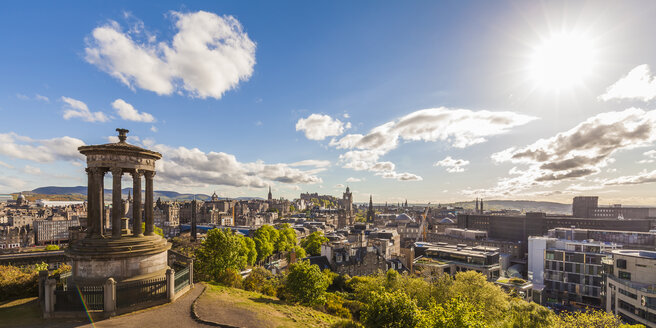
x=244 y=308
x=21 y=312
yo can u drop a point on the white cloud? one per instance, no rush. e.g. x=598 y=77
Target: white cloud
x=453 y=165
x=640 y=178
x=6 y=165
x=577 y=153
x=208 y=56
x=128 y=112
x=10 y=184
x=459 y=127
x=637 y=84
x=153 y=128
x=352 y=179
x=339 y=185
x=42 y=151
x=22 y=96
x=32 y=170
x=42 y=98
x=78 y=109
x=319 y=127
x=193 y=167
x=311 y=162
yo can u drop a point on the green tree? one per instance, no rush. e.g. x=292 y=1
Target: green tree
x=262 y=281
x=312 y=243
x=595 y=319
x=524 y=314
x=292 y=208
x=251 y=253
x=286 y=238
x=454 y=313
x=473 y=287
x=221 y=250
x=305 y=283
x=390 y=310
x=265 y=238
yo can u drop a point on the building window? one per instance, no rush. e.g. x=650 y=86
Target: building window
x=624 y=275
x=621 y=264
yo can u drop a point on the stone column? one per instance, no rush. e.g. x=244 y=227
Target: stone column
x=92 y=211
x=109 y=297
x=95 y=195
x=49 y=307
x=136 y=204
x=117 y=172
x=170 y=284
x=149 y=203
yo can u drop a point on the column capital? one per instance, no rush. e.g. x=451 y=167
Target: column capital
x=116 y=171
x=136 y=174
x=149 y=174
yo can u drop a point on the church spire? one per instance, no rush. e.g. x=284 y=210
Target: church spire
x=269 y=196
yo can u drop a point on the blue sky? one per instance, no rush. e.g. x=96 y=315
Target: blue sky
x=424 y=100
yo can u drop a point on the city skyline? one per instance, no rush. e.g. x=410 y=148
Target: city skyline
x=426 y=101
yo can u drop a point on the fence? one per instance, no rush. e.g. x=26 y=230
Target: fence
x=79 y=298
x=181 y=279
x=60 y=297
x=137 y=292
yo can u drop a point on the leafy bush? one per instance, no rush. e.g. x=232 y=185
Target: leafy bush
x=346 y=324
x=305 y=283
x=52 y=248
x=262 y=281
x=19 y=283
x=230 y=277
x=334 y=305
x=391 y=310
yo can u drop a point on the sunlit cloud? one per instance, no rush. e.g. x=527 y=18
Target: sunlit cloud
x=638 y=84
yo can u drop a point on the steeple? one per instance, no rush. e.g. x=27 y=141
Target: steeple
x=476 y=205
x=481 y=205
x=269 y=196
x=370 y=212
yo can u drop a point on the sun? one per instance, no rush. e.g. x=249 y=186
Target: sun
x=562 y=61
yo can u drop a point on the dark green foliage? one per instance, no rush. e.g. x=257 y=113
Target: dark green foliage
x=346 y=324
x=313 y=242
x=305 y=283
x=261 y=280
x=390 y=310
x=230 y=277
x=221 y=250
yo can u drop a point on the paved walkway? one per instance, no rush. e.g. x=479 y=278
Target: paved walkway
x=176 y=314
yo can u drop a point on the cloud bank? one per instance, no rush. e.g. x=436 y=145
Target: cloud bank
x=638 y=84
x=319 y=127
x=208 y=56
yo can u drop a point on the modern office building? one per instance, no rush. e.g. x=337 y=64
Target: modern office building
x=451 y=259
x=631 y=286
x=567 y=272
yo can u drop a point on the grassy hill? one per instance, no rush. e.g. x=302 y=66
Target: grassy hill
x=80 y=192
x=237 y=307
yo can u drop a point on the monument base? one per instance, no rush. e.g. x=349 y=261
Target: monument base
x=94 y=260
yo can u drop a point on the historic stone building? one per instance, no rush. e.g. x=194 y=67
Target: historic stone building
x=120 y=253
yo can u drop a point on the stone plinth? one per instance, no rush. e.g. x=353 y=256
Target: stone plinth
x=128 y=258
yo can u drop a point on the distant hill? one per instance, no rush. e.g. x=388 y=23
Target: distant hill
x=521 y=205
x=44 y=192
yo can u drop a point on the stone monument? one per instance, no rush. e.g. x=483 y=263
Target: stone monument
x=119 y=253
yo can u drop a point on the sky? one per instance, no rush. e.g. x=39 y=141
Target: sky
x=420 y=100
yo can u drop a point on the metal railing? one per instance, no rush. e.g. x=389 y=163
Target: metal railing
x=79 y=298
x=137 y=292
x=181 y=279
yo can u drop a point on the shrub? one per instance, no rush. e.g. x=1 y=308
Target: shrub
x=230 y=278
x=16 y=283
x=262 y=281
x=391 y=310
x=334 y=305
x=52 y=248
x=346 y=324
x=305 y=283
